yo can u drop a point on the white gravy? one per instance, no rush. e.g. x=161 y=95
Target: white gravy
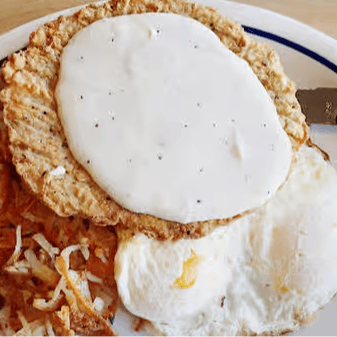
x=168 y=121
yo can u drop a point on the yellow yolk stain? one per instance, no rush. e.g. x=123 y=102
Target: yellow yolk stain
x=284 y=289
x=189 y=274
x=280 y=284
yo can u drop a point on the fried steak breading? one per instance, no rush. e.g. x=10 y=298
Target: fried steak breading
x=38 y=144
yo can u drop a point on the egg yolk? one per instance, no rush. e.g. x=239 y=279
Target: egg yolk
x=189 y=274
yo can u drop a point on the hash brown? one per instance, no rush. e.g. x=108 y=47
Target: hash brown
x=45 y=264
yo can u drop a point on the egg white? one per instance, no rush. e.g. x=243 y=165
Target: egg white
x=150 y=275
x=278 y=264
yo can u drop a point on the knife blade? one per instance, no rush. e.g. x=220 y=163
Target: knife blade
x=319 y=105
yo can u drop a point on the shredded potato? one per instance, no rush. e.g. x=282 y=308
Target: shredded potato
x=17 y=250
x=56 y=273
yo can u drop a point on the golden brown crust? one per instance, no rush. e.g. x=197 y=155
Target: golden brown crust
x=38 y=144
x=325 y=155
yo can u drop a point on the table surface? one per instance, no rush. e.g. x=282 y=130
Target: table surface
x=320 y=14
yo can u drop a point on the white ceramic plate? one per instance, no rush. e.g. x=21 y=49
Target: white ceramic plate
x=309 y=58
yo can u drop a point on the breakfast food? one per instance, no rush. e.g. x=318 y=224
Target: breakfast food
x=178 y=129
x=265 y=273
x=56 y=274
x=48 y=166
x=189 y=152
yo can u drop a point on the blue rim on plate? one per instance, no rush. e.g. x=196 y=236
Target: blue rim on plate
x=20 y=34
x=293 y=45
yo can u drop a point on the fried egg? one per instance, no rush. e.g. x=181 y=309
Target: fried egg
x=278 y=264
x=169 y=280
